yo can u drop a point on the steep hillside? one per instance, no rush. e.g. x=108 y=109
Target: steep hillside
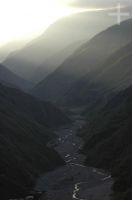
x=108 y=141
x=56 y=38
x=25 y=125
x=85 y=60
x=42 y=112
x=9 y=78
x=112 y=75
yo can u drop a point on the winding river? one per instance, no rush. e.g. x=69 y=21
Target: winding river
x=74 y=180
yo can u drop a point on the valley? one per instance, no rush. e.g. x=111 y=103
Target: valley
x=66 y=112
x=74 y=180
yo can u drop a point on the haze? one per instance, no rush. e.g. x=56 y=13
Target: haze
x=23 y=20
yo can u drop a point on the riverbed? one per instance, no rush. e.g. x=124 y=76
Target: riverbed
x=74 y=180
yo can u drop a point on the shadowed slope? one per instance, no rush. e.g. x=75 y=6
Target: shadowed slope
x=25 y=130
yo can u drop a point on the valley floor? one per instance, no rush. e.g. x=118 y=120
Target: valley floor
x=74 y=180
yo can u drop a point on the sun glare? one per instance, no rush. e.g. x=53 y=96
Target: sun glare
x=25 y=19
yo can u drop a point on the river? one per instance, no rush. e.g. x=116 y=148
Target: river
x=74 y=181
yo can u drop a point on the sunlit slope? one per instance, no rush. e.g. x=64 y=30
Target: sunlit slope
x=60 y=35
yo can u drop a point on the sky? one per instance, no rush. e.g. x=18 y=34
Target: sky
x=98 y=3
x=26 y=19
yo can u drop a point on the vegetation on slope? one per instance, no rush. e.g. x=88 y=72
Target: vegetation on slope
x=109 y=141
x=24 y=134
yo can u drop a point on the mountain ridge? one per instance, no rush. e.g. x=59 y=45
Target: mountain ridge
x=57 y=37
x=91 y=54
x=10 y=78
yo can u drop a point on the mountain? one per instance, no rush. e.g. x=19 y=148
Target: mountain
x=42 y=112
x=108 y=141
x=9 y=47
x=25 y=129
x=9 y=78
x=88 y=58
x=56 y=38
x=113 y=75
x=53 y=62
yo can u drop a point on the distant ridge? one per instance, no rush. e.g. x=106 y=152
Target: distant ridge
x=58 y=37
x=7 y=77
x=60 y=86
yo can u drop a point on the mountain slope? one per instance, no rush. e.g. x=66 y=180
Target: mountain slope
x=25 y=125
x=9 y=78
x=85 y=60
x=53 y=62
x=6 y=49
x=41 y=112
x=56 y=38
x=113 y=75
x=108 y=141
